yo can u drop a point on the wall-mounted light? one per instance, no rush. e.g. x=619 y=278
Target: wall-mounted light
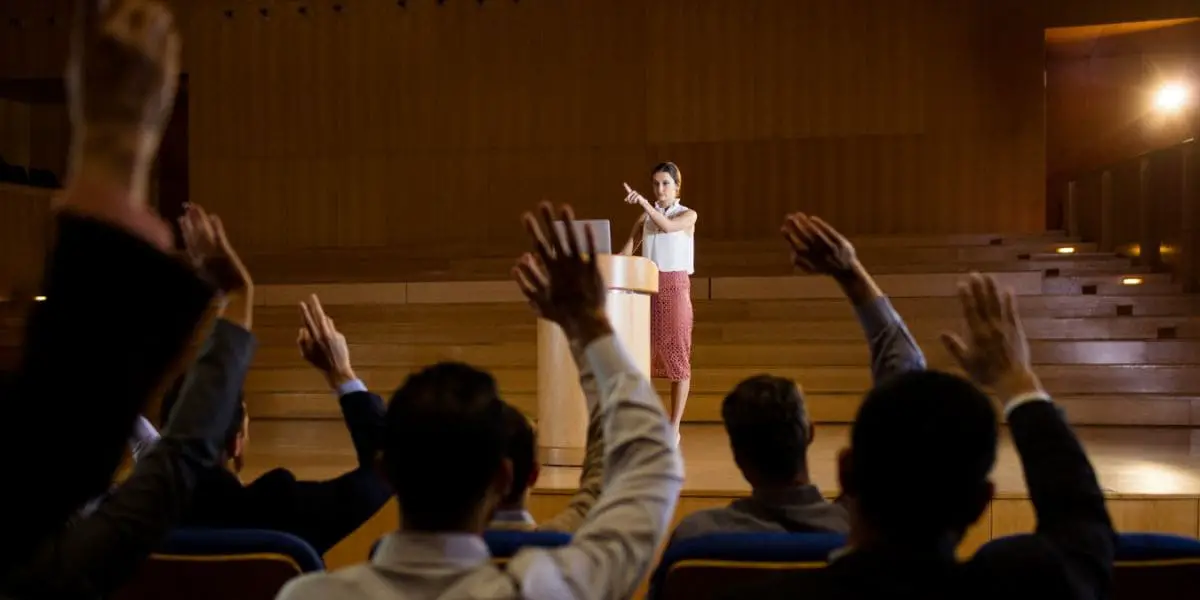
x=1065 y=250
x=39 y=298
x=1172 y=97
x=1131 y=281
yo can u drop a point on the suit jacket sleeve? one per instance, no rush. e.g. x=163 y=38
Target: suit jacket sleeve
x=320 y=512
x=118 y=314
x=1073 y=525
x=591 y=480
x=324 y=512
x=893 y=349
x=363 y=413
x=96 y=554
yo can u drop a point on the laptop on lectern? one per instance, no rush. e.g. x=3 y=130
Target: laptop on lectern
x=600 y=229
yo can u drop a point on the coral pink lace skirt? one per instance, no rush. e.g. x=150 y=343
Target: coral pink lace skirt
x=671 y=327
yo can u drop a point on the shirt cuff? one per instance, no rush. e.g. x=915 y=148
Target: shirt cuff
x=143 y=430
x=608 y=358
x=1020 y=399
x=876 y=315
x=350 y=387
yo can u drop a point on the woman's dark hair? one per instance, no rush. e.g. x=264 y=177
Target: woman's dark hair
x=671 y=169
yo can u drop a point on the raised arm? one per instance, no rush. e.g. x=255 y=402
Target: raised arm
x=325 y=348
x=98 y=553
x=119 y=309
x=1073 y=524
x=591 y=480
x=818 y=248
x=611 y=552
x=680 y=222
x=635 y=236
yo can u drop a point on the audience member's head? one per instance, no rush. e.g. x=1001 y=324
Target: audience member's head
x=522 y=451
x=445 y=449
x=920 y=453
x=769 y=431
x=236 y=436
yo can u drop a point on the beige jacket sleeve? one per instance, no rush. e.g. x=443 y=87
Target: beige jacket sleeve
x=591 y=480
x=612 y=550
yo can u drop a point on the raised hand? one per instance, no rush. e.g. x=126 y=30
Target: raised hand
x=121 y=79
x=996 y=352
x=632 y=197
x=562 y=281
x=322 y=345
x=208 y=249
x=122 y=74
x=817 y=247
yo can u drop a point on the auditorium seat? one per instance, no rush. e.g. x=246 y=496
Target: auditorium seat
x=1159 y=566
x=707 y=566
x=202 y=564
x=1151 y=565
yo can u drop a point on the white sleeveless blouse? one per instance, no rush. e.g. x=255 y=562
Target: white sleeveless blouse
x=673 y=251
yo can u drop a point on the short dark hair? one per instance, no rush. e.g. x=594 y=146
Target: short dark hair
x=444 y=443
x=922 y=447
x=171 y=398
x=521 y=450
x=768 y=427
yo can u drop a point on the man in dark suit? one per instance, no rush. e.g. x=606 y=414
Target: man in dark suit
x=916 y=476
x=320 y=512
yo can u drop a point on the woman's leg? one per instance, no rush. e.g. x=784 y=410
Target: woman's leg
x=679 y=396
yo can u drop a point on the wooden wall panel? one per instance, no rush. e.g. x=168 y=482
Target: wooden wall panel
x=14 y=131
x=1064 y=13
x=24 y=237
x=383 y=126
x=1099 y=96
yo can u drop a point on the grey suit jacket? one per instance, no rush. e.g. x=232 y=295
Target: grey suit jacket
x=93 y=555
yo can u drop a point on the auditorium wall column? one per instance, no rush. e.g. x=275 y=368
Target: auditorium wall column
x=1071 y=209
x=1189 y=210
x=1148 y=236
x=1107 y=235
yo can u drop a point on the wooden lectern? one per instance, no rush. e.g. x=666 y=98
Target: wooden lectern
x=562 y=412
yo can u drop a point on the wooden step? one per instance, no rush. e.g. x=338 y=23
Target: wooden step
x=749 y=356
x=391 y=264
x=815 y=309
x=783 y=267
x=846 y=330
x=467 y=331
x=705 y=407
x=874 y=257
x=1062 y=379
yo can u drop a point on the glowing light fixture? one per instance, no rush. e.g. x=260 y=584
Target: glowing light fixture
x=1131 y=281
x=1065 y=250
x=1172 y=97
x=39 y=298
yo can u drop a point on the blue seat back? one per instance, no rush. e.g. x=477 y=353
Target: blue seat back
x=1147 y=565
x=1160 y=566
x=222 y=563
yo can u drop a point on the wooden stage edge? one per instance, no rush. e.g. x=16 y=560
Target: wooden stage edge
x=1151 y=478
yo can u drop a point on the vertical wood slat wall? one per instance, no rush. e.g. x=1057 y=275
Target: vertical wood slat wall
x=383 y=126
x=1145 y=206
x=378 y=125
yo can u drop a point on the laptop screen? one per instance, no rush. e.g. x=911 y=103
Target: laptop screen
x=600 y=229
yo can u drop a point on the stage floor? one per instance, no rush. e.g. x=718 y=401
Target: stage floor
x=1130 y=462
